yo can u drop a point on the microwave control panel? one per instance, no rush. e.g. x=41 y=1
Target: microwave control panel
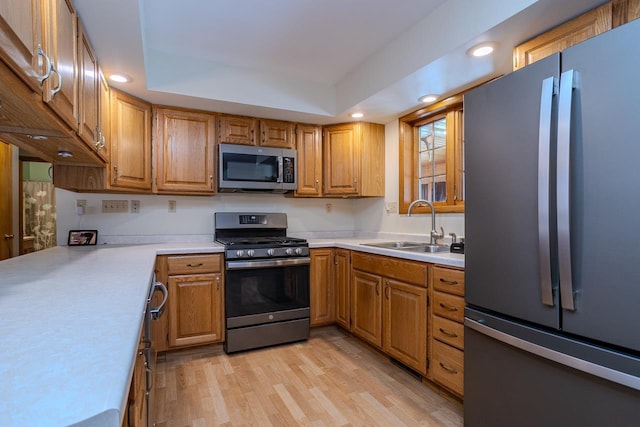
x=288 y=170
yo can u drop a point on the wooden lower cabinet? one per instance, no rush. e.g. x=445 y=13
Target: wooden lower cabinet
x=322 y=287
x=195 y=312
x=366 y=307
x=136 y=411
x=447 y=331
x=405 y=324
x=342 y=262
x=389 y=306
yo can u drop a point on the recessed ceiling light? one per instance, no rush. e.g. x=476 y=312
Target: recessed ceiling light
x=120 y=78
x=356 y=115
x=64 y=153
x=482 y=49
x=428 y=98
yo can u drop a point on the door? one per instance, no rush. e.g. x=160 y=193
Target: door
x=341 y=167
x=322 y=287
x=343 y=287
x=309 y=145
x=605 y=192
x=6 y=202
x=501 y=208
x=366 y=306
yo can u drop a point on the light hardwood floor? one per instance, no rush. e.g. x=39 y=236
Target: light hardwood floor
x=330 y=380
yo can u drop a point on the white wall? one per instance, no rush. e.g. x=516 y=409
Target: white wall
x=193 y=219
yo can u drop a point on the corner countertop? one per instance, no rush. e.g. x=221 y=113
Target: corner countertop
x=71 y=319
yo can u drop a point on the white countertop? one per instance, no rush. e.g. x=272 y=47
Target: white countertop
x=70 y=319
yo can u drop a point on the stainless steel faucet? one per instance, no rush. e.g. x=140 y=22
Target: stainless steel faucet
x=434 y=235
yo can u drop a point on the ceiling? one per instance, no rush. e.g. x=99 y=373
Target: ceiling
x=312 y=61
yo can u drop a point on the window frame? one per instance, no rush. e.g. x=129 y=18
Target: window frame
x=408 y=190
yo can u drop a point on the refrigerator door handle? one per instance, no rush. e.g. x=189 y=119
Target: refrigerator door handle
x=549 y=89
x=608 y=374
x=567 y=85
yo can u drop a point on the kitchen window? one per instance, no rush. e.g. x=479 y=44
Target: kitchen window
x=432 y=158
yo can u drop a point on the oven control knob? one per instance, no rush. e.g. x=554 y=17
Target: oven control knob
x=270 y=252
x=298 y=251
x=251 y=253
x=289 y=251
x=240 y=253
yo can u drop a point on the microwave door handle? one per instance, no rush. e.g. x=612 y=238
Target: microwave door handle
x=280 y=169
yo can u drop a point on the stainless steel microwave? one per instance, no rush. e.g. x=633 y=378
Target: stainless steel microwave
x=251 y=168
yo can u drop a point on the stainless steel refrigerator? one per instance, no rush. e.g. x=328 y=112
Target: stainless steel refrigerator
x=552 y=228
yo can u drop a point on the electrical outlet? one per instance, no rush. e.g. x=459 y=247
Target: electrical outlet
x=172 y=206
x=115 y=206
x=135 y=206
x=81 y=206
x=391 y=207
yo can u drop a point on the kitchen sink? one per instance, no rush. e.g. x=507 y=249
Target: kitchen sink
x=394 y=245
x=409 y=246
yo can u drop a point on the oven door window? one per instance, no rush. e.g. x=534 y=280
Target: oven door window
x=249 y=167
x=265 y=290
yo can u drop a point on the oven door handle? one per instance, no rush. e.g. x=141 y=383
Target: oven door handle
x=267 y=263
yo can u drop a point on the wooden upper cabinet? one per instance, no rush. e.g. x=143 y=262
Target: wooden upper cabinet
x=587 y=25
x=237 y=130
x=130 y=142
x=277 y=133
x=309 y=146
x=184 y=144
x=88 y=94
x=60 y=89
x=104 y=115
x=20 y=37
x=354 y=159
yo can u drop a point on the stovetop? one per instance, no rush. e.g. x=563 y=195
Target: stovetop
x=260 y=241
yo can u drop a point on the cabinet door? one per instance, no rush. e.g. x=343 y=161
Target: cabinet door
x=237 y=130
x=309 y=146
x=195 y=309
x=184 y=151
x=322 y=287
x=277 y=133
x=130 y=142
x=88 y=95
x=343 y=288
x=341 y=166
x=366 y=306
x=104 y=108
x=405 y=324
x=20 y=36
x=60 y=89
x=583 y=27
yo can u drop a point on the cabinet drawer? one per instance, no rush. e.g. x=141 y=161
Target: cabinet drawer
x=448 y=280
x=406 y=271
x=365 y=262
x=448 y=331
x=448 y=367
x=194 y=264
x=449 y=306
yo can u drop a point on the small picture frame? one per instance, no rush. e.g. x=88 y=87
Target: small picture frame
x=83 y=238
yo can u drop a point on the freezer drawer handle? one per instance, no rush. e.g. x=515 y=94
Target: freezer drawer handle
x=609 y=374
x=448 y=368
x=448 y=307
x=549 y=89
x=568 y=81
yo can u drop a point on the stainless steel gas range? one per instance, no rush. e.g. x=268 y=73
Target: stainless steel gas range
x=266 y=280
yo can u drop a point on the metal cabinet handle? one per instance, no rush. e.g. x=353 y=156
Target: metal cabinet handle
x=449 y=333
x=377 y=288
x=448 y=368
x=47 y=68
x=386 y=289
x=448 y=282
x=195 y=265
x=58 y=88
x=8 y=236
x=115 y=173
x=448 y=307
